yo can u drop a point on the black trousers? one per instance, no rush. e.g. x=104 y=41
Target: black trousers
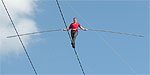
x=74 y=35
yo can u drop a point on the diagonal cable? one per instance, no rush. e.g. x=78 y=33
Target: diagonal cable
x=19 y=37
x=70 y=37
x=79 y=61
x=61 y=13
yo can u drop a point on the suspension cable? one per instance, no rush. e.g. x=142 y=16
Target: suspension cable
x=19 y=37
x=34 y=33
x=70 y=37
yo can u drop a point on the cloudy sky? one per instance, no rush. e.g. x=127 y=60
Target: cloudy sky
x=21 y=12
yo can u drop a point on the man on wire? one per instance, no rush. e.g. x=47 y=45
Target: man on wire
x=74 y=30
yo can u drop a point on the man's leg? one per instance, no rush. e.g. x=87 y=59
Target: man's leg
x=73 y=35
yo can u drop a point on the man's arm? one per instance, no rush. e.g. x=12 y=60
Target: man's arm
x=67 y=29
x=82 y=28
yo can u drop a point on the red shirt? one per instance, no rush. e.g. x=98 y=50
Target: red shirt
x=74 y=26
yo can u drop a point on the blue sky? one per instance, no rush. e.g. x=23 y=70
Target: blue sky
x=100 y=53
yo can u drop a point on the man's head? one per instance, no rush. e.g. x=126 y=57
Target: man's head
x=74 y=20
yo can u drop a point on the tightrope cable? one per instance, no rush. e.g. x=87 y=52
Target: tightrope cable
x=70 y=36
x=79 y=61
x=61 y=13
x=19 y=37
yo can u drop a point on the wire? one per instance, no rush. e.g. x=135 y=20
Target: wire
x=19 y=37
x=79 y=61
x=106 y=42
x=101 y=30
x=61 y=13
x=70 y=36
x=33 y=33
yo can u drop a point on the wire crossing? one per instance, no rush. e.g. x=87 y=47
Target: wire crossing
x=34 y=33
x=61 y=13
x=70 y=36
x=19 y=37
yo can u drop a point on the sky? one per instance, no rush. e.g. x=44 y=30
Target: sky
x=101 y=53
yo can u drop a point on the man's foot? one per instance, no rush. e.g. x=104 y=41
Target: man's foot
x=73 y=45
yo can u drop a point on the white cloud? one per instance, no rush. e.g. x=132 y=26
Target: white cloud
x=19 y=11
